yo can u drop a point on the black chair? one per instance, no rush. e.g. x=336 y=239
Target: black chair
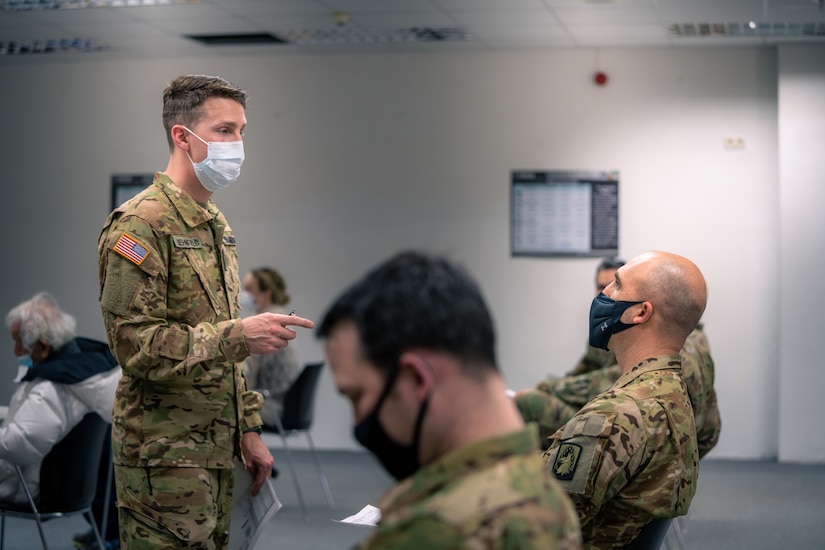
x=296 y=417
x=68 y=478
x=652 y=535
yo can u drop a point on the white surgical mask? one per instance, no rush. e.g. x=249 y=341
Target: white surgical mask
x=247 y=301
x=222 y=164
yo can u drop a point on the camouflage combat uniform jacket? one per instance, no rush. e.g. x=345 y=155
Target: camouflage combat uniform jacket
x=630 y=455
x=698 y=371
x=555 y=401
x=492 y=495
x=169 y=293
x=593 y=359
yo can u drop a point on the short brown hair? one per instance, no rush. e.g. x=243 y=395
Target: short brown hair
x=183 y=98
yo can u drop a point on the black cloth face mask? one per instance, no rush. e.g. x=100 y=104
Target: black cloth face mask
x=400 y=461
x=605 y=319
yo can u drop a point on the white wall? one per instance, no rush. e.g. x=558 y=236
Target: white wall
x=351 y=158
x=802 y=254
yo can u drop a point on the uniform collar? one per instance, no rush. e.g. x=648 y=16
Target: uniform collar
x=461 y=462
x=662 y=362
x=192 y=213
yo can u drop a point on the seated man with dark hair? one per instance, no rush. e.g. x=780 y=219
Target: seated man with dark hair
x=412 y=346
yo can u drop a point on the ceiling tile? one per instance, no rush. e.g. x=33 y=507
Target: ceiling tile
x=522 y=18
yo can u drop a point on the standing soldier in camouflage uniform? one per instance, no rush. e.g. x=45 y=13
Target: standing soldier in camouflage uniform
x=169 y=291
x=412 y=346
x=630 y=455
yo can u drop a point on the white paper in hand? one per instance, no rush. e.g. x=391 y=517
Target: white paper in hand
x=250 y=514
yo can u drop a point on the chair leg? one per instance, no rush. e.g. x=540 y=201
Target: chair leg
x=294 y=476
x=676 y=527
x=42 y=534
x=107 y=496
x=90 y=517
x=33 y=506
x=322 y=477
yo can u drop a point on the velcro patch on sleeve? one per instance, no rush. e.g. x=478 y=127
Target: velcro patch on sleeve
x=567 y=458
x=131 y=249
x=581 y=444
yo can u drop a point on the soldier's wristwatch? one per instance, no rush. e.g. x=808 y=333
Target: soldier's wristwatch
x=256 y=429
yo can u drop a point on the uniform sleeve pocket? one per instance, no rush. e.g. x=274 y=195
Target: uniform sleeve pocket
x=121 y=285
x=576 y=458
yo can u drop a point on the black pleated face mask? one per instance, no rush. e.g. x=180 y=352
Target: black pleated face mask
x=605 y=319
x=399 y=460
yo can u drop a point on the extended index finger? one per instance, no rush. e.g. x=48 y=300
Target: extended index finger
x=294 y=320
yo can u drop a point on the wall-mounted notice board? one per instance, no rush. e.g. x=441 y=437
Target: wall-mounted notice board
x=126 y=186
x=564 y=213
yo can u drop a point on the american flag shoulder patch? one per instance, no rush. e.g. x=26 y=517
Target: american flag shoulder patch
x=129 y=247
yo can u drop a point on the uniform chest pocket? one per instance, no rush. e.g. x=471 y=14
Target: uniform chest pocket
x=576 y=460
x=195 y=285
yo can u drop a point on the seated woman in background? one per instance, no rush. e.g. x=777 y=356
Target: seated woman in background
x=264 y=290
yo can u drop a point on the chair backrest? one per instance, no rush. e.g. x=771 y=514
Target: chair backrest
x=299 y=400
x=68 y=474
x=652 y=535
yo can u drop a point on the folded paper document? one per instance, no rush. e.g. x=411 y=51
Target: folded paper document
x=368 y=516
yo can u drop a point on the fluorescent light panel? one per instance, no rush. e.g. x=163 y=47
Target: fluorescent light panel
x=66 y=45
x=371 y=36
x=750 y=28
x=37 y=5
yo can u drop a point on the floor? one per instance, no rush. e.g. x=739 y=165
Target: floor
x=738 y=505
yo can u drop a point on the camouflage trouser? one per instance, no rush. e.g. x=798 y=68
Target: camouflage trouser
x=174 y=507
x=546 y=410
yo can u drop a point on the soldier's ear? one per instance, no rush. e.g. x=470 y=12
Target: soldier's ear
x=180 y=137
x=417 y=371
x=643 y=313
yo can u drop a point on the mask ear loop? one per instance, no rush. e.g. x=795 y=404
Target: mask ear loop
x=386 y=391
x=419 y=422
x=196 y=135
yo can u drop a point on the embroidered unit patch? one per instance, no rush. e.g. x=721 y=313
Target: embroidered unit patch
x=130 y=249
x=566 y=460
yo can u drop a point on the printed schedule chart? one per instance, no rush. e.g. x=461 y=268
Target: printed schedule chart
x=564 y=213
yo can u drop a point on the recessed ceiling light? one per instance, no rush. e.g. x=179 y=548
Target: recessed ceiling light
x=236 y=39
